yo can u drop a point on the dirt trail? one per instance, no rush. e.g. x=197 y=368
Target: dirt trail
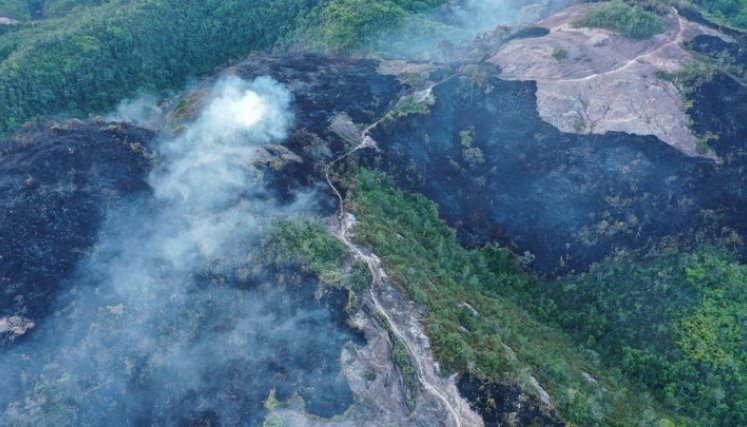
x=679 y=38
x=607 y=82
x=346 y=221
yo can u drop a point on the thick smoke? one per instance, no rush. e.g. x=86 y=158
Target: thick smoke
x=159 y=325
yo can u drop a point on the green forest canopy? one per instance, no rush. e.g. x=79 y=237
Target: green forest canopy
x=480 y=319
x=730 y=12
x=673 y=324
x=84 y=60
x=80 y=57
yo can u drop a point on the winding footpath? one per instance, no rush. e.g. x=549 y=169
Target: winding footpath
x=377 y=276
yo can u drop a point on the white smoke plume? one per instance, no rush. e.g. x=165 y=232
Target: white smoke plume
x=151 y=330
x=143 y=110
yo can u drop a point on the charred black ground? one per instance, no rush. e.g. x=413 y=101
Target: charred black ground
x=570 y=200
x=501 y=404
x=70 y=187
x=55 y=187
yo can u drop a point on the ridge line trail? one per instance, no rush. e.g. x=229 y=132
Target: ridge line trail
x=374 y=266
x=679 y=37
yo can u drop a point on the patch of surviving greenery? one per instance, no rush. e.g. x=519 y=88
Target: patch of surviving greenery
x=411 y=105
x=559 y=53
x=475 y=319
x=401 y=358
x=631 y=21
x=471 y=154
x=675 y=323
x=733 y=13
x=696 y=72
x=305 y=242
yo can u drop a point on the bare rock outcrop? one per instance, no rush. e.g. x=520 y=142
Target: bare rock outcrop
x=14 y=326
x=604 y=82
x=8 y=21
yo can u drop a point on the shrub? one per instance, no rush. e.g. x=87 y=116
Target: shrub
x=630 y=21
x=559 y=53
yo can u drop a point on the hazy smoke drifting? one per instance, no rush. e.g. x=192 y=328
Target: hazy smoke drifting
x=420 y=37
x=154 y=329
x=142 y=110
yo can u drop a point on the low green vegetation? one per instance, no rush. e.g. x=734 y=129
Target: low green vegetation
x=676 y=323
x=14 y=9
x=24 y=10
x=410 y=105
x=666 y=75
x=305 y=242
x=559 y=53
x=401 y=358
x=474 y=316
x=471 y=154
x=702 y=69
x=271 y=405
x=732 y=13
x=696 y=72
x=631 y=21
x=703 y=146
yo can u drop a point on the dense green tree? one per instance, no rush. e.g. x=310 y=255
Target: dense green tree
x=91 y=54
x=731 y=12
x=675 y=323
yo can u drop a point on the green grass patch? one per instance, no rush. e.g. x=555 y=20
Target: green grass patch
x=305 y=242
x=14 y=9
x=401 y=359
x=630 y=21
x=410 y=105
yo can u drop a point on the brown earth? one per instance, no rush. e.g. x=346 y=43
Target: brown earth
x=606 y=82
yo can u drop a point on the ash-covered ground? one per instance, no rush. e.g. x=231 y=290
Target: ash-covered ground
x=135 y=262
x=500 y=173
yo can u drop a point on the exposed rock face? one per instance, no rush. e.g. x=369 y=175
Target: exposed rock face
x=8 y=21
x=605 y=82
x=14 y=326
x=378 y=385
